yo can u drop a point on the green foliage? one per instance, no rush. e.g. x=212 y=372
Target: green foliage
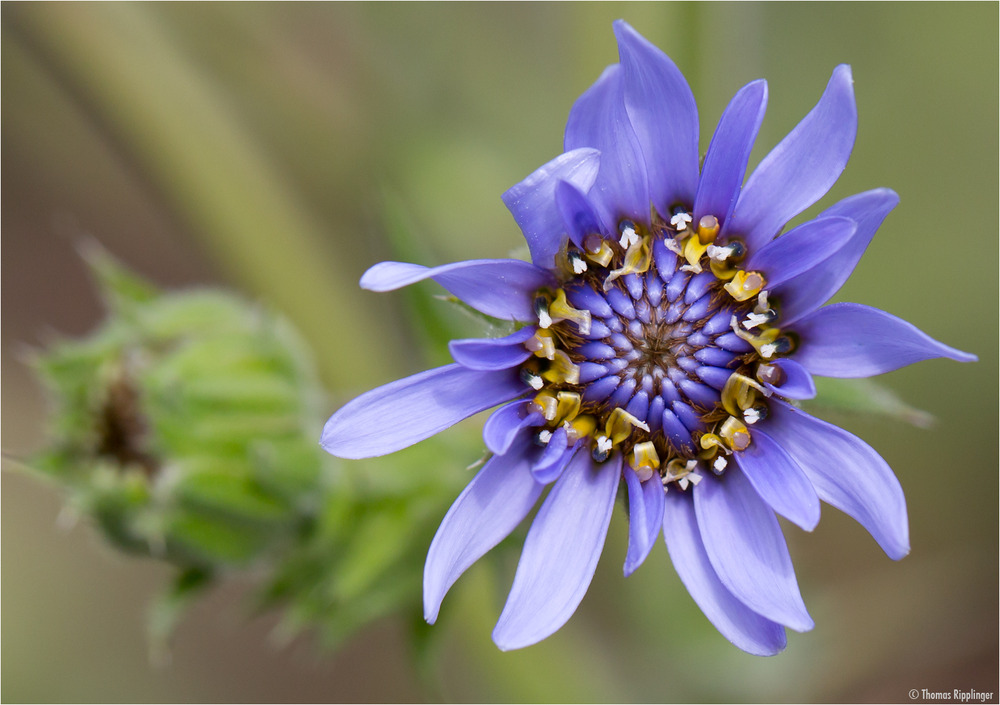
x=186 y=428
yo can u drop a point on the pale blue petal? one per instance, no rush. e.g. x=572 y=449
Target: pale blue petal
x=747 y=549
x=813 y=288
x=503 y=424
x=801 y=169
x=598 y=119
x=578 y=215
x=404 y=412
x=742 y=626
x=492 y=353
x=552 y=461
x=645 y=516
x=800 y=249
x=664 y=115
x=852 y=340
x=847 y=473
x=779 y=480
x=533 y=205
x=729 y=151
x=560 y=553
x=502 y=288
x=490 y=507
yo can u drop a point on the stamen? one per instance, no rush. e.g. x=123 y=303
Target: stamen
x=637 y=260
x=629 y=236
x=580 y=427
x=620 y=423
x=708 y=228
x=577 y=261
x=568 y=406
x=680 y=221
x=745 y=285
x=766 y=343
x=771 y=374
x=735 y=433
x=562 y=369
x=719 y=465
x=542 y=344
x=542 y=311
x=739 y=393
x=547 y=404
x=598 y=250
x=530 y=378
x=645 y=460
x=560 y=310
x=544 y=436
x=757 y=412
x=694 y=248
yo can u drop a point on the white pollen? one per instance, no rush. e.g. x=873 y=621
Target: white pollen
x=672 y=245
x=536 y=382
x=719 y=254
x=720 y=464
x=680 y=221
x=683 y=482
x=628 y=238
x=767 y=350
x=641 y=424
x=545 y=436
x=544 y=319
x=751 y=416
x=579 y=266
x=695 y=478
x=753 y=320
x=604 y=444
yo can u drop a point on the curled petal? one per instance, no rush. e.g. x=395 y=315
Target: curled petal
x=847 y=473
x=492 y=353
x=801 y=169
x=553 y=459
x=779 y=480
x=745 y=546
x=798 y=382
x=808 y=291
x=738 y=623
x=852 y=340
x=577 y=214
x=598 y=119
x=664 y=115
x=560 y=553
x=404 y=412
x=490 y=507
x=532 y=201
x=645 y=516
x=502 y=288
x=729 y=151
x=503 y=425
x=800 y=249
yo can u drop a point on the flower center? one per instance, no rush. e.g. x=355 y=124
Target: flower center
x=652 y=346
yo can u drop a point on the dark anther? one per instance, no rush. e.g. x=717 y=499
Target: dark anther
x=737 y=250
x=541 y=305
x=783 y=345
x=600 y=455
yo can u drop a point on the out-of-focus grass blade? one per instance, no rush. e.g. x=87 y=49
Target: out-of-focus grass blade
x=866 y=397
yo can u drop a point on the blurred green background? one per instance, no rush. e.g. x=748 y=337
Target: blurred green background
x=281 y=149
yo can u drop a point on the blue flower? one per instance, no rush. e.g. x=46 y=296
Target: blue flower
x=667 y=333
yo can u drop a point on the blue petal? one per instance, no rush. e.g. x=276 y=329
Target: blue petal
x=502 y=288
x=664 y=115
x=577 y=214
x=404 y=412
x=779 y=480
x=645 y=516
x=800 y=249
x=801 y=169
x=598 y=119
x=532 y=202
x=490 y=507
x=503 y=424
x=729 y=151
x=798 y=382
x=560 y=553
x=492 y=353
x=847 y=473
x=742 y=626
x=811 y=289
x=745 y=545
x=552 y=461
x=852 y=340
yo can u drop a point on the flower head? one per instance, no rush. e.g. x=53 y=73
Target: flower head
x=667 y=333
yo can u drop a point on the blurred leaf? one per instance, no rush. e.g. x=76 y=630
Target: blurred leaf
x=867 y=397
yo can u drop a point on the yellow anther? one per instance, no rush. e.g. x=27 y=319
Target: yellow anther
x=711 y=444
x=638 y=258
x=542 y=344
x=547 y=404
x=681 y=472
x=645 y=461
x=562 y=369
x=580 y=427
x=708 y=228
x=723 y=270
x=560 y=310
x=739 y=393
x=768 y=342
x=735 y=433
x=568 y=406
x=597 y=250
x=745 y=285
x=619 y=425
x=694 y=248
